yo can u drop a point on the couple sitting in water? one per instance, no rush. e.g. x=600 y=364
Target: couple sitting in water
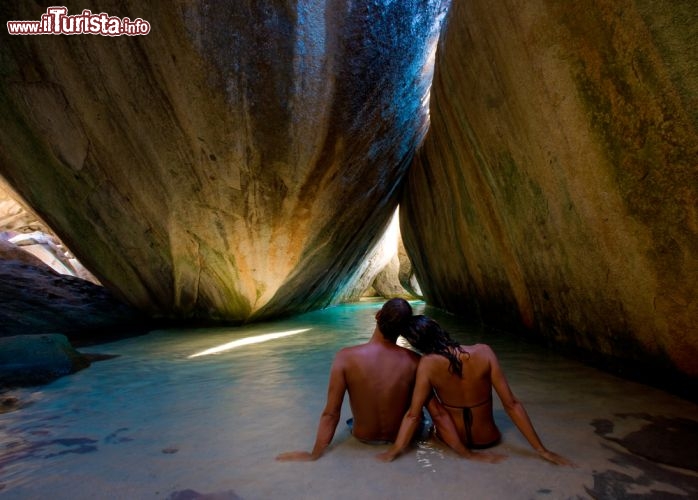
x=389 y=385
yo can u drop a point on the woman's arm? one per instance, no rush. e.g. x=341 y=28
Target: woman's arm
x=517 y=412
x=446 y=428
x=449 y=434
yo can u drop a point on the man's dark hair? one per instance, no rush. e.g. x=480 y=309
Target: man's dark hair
x=393 y=318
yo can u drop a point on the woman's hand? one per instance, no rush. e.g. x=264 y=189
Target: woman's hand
x=387 y=456
x=553 y=457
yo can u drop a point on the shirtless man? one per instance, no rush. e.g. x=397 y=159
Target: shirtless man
x=379 y=377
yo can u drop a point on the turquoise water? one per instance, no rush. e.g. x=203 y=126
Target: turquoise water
x=160 y=422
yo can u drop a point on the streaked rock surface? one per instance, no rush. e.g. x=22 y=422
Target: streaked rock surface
x=238 y=162
x=557 y=188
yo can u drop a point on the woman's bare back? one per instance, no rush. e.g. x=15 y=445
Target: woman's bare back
x=468 y=399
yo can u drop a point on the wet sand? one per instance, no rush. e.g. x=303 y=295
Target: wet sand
x=155 y=422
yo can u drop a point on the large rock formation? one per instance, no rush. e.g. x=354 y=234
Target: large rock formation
x=557 y=188
x=237 y=162
x=34 y=299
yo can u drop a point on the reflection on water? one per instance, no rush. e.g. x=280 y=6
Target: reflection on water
x=162 y=419
x=427 y=454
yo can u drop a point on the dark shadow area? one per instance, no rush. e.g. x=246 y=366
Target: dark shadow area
x=37 y=300
x=669 y=441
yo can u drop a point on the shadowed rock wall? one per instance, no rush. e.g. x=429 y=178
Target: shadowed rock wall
x=239 y=161
x=34 y=299
x=557 y=187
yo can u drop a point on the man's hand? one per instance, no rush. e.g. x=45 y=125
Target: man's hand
x=296 y=456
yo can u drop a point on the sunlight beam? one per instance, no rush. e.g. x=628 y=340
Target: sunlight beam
x=247 y=341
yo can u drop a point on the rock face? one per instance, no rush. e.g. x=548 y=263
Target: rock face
x=35 y=300
x=22 y=228
x=406 y=274
x=52 y=253
x=382 y=271
x=387 y=282
x=10 y=251
x=37 y=359
x=237 y=162
x=13 y=216
x=557 y=187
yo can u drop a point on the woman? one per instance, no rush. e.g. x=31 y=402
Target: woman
x=461 y=378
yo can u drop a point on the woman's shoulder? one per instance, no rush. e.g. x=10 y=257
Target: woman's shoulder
x=480 y=346
x=483 y=350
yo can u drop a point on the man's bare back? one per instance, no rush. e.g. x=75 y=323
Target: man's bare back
x=379 y=377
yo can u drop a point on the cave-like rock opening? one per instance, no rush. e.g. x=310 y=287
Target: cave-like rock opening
x=241 y=162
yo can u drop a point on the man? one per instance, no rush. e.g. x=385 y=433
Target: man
x=379 y=377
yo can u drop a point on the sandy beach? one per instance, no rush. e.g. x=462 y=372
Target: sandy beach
x=159 y=422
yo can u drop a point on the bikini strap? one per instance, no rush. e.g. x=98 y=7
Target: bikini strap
x=482 y=403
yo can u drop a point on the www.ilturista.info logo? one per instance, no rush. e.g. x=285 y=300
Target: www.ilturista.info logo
x=56 y=21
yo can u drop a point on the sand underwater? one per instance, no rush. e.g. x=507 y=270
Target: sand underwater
x=160 y=421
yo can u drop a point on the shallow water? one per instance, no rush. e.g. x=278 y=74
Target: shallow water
x=156 y=422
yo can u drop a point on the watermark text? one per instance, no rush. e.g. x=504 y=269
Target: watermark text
x=56 y=21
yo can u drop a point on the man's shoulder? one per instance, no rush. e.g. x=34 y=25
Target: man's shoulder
x=376 y=348
x=347 y=351
x=350 y=352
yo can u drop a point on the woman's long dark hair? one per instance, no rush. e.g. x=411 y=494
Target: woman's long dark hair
x=428 y=337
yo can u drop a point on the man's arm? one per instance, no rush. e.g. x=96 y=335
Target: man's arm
x=329 y=417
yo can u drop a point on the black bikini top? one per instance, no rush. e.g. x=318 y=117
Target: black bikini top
x=482 y=403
